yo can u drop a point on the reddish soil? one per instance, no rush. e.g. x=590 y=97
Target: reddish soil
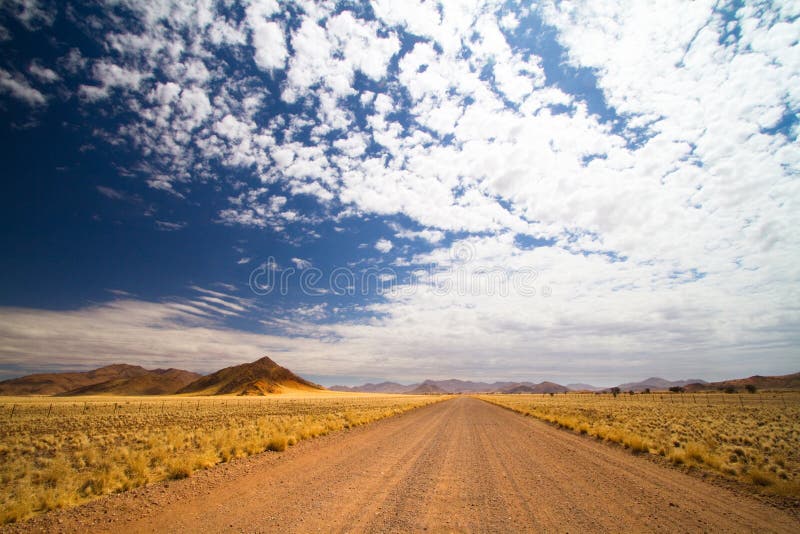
x=461 y=465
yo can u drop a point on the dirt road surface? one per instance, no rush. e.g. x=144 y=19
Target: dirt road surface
x=458 y=466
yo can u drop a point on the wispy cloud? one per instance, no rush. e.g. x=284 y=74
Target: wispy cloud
x=112 y=193
x=169 y=226
x=300 y=263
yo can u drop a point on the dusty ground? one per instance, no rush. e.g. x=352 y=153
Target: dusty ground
x=461 y=465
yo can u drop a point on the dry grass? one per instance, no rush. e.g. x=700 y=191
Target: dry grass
x=56 y=453
x=751 y=438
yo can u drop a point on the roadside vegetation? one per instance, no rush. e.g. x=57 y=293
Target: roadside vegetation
x=752 y=438
x=56 y=453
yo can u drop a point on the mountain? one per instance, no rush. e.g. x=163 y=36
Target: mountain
x=584 y=387
x=454 y=386
x=655 y=383
x=549 y=387
x=429 y=387
x=519 y=388
x=155 y=382
x=528 y=387
x=791 y=381
x=467 y=386
x=66 y=383
x=383 y=387
x=260 y=377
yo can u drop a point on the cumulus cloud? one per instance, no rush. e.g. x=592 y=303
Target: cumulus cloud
x=383 y=245
x=18 y=87
x=110 y=76
x=33 y=14
x=268 y=38
x=43 y=74
x=431 y=236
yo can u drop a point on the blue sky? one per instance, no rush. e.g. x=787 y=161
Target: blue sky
x=594 y=191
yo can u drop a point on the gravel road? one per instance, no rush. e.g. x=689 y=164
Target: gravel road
x=461 y=465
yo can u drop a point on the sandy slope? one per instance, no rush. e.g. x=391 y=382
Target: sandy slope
x=460 y=465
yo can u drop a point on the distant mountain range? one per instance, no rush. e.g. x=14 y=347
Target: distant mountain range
x=261 y=377
x=265 y=377
x=455 y=386
x=791 y=381
x=583 y=387
x=653 y=384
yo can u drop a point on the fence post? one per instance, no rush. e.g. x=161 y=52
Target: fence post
x=13 y=407
x=50 y=409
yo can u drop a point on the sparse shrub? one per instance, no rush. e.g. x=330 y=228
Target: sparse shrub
x=636 y=444
x=761 y=477
x=179 y=468
x=696 y=452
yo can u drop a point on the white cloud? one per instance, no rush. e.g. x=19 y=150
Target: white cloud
x=43 y=74
x=110 y=76
x=18 y=87
x=301 y=264
x=243 y=261
x=268 y=39
x=332 y=54
x=383 y=245
x=32 y=14
x=169 y=226
x=431 y=236
x=110 y=192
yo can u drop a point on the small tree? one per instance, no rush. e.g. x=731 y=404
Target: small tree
x=647 y=390
x=615 y=391
x=751 y=388
x=676 y=389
